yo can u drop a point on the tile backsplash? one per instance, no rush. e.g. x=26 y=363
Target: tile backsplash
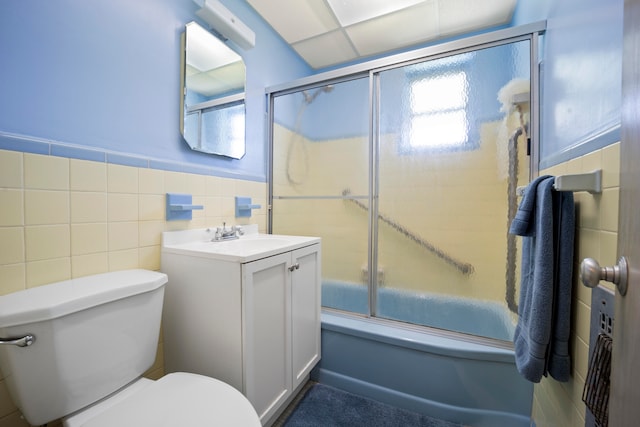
x=560 y=404
x=63 y=218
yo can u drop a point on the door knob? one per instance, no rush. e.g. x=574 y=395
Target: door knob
x=591 y=273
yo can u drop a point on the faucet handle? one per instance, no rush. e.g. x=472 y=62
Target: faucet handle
x=239 y=230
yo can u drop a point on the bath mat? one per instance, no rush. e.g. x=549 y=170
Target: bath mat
x=328 y=406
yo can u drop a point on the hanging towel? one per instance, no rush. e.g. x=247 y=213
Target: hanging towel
x=545 y=219
x=559 y=363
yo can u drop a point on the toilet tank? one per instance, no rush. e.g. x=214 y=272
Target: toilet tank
x=93 y=335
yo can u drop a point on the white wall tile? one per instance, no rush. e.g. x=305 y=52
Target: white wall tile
x=123 y=260
x=122 y=179
x=88 y=176
x=152 y=207
x=47 y=241
x=12 y=278
x=85 y=265
x=46 y=207
x=122 y=207
x=88 y=207
x=46 y=172
x=12 y=247
x=11 y=169
x=123 y=235
x=88 y=238
x=11 y=207
x=48 y=271
x=151 y=181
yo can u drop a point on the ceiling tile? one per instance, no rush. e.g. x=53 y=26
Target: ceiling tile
x=296 y=20
x=328 y=49
x=350 y=12
x=319 y=30
x=460 y=16
x=396 y=30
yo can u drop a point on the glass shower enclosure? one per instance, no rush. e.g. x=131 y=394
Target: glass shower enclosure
x=408 y=169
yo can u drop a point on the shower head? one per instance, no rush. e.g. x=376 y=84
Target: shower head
x=308 y=99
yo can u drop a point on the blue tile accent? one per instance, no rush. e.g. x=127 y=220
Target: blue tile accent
x=77 y=153
x=25 y=145
x=123 y=159
x=179 y=207
x=28 y=144
x=177 y=167
x=602 y=140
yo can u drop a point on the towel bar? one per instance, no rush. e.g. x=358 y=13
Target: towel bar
x=591 y=182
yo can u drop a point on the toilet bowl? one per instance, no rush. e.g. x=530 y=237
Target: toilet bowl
x=178 y=399
x=77 y=350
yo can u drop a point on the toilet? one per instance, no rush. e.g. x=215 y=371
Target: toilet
x=77 y=350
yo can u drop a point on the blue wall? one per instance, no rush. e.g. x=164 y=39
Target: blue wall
x=105 y=74
x=581 y=75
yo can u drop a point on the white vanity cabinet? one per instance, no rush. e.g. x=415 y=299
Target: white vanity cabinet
x=252 y=322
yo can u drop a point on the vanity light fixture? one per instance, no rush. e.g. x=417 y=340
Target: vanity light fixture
x=221 y=20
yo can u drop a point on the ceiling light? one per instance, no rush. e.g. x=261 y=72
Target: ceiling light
x=226 y=23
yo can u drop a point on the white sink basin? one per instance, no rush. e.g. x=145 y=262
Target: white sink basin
x=247 y=248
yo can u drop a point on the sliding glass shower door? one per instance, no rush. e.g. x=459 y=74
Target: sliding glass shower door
x=448 y=163
x=320 y=170
x=408 y=172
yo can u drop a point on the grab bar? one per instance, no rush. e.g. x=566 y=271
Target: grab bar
x=24 y=341
x=464 y=267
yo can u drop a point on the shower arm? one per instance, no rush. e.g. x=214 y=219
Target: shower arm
x=464 y=267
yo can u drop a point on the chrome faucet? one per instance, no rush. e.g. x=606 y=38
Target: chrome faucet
x=223 y=233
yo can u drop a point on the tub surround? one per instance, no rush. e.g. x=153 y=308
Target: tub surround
x=443 y=377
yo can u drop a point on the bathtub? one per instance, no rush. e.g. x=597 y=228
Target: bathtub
x=448 y=376
x=482 y=318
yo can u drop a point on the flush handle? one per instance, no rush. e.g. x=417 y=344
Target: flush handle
x=24 y=341
x=591 y=273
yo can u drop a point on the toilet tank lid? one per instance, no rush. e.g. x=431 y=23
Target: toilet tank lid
x=58 y=299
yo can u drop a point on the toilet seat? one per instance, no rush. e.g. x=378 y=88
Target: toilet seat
x=179 y=399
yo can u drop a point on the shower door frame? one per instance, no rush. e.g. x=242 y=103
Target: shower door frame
x=371 y=70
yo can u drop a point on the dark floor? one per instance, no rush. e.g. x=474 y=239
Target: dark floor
x=292 y=406
x=280 y=422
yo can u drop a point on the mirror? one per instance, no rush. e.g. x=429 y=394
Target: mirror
x=212 y=97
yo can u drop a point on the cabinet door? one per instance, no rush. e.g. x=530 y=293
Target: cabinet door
x=266 y=329
x=305 y=311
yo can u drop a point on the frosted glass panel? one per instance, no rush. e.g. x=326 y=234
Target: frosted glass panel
x=321 y=181
x=448 y=152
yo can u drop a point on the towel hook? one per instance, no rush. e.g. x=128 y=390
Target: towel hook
x=591 y=273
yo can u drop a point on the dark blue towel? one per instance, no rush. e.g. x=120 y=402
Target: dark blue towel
x=545 y=219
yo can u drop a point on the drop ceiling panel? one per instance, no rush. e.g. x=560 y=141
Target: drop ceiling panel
x=351 y=12
x=296 y=20
x=399 y=29
x=328 y=49
x=458 y=16
x=326 y=32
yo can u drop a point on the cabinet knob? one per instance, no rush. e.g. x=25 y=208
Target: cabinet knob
x=295 y=266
